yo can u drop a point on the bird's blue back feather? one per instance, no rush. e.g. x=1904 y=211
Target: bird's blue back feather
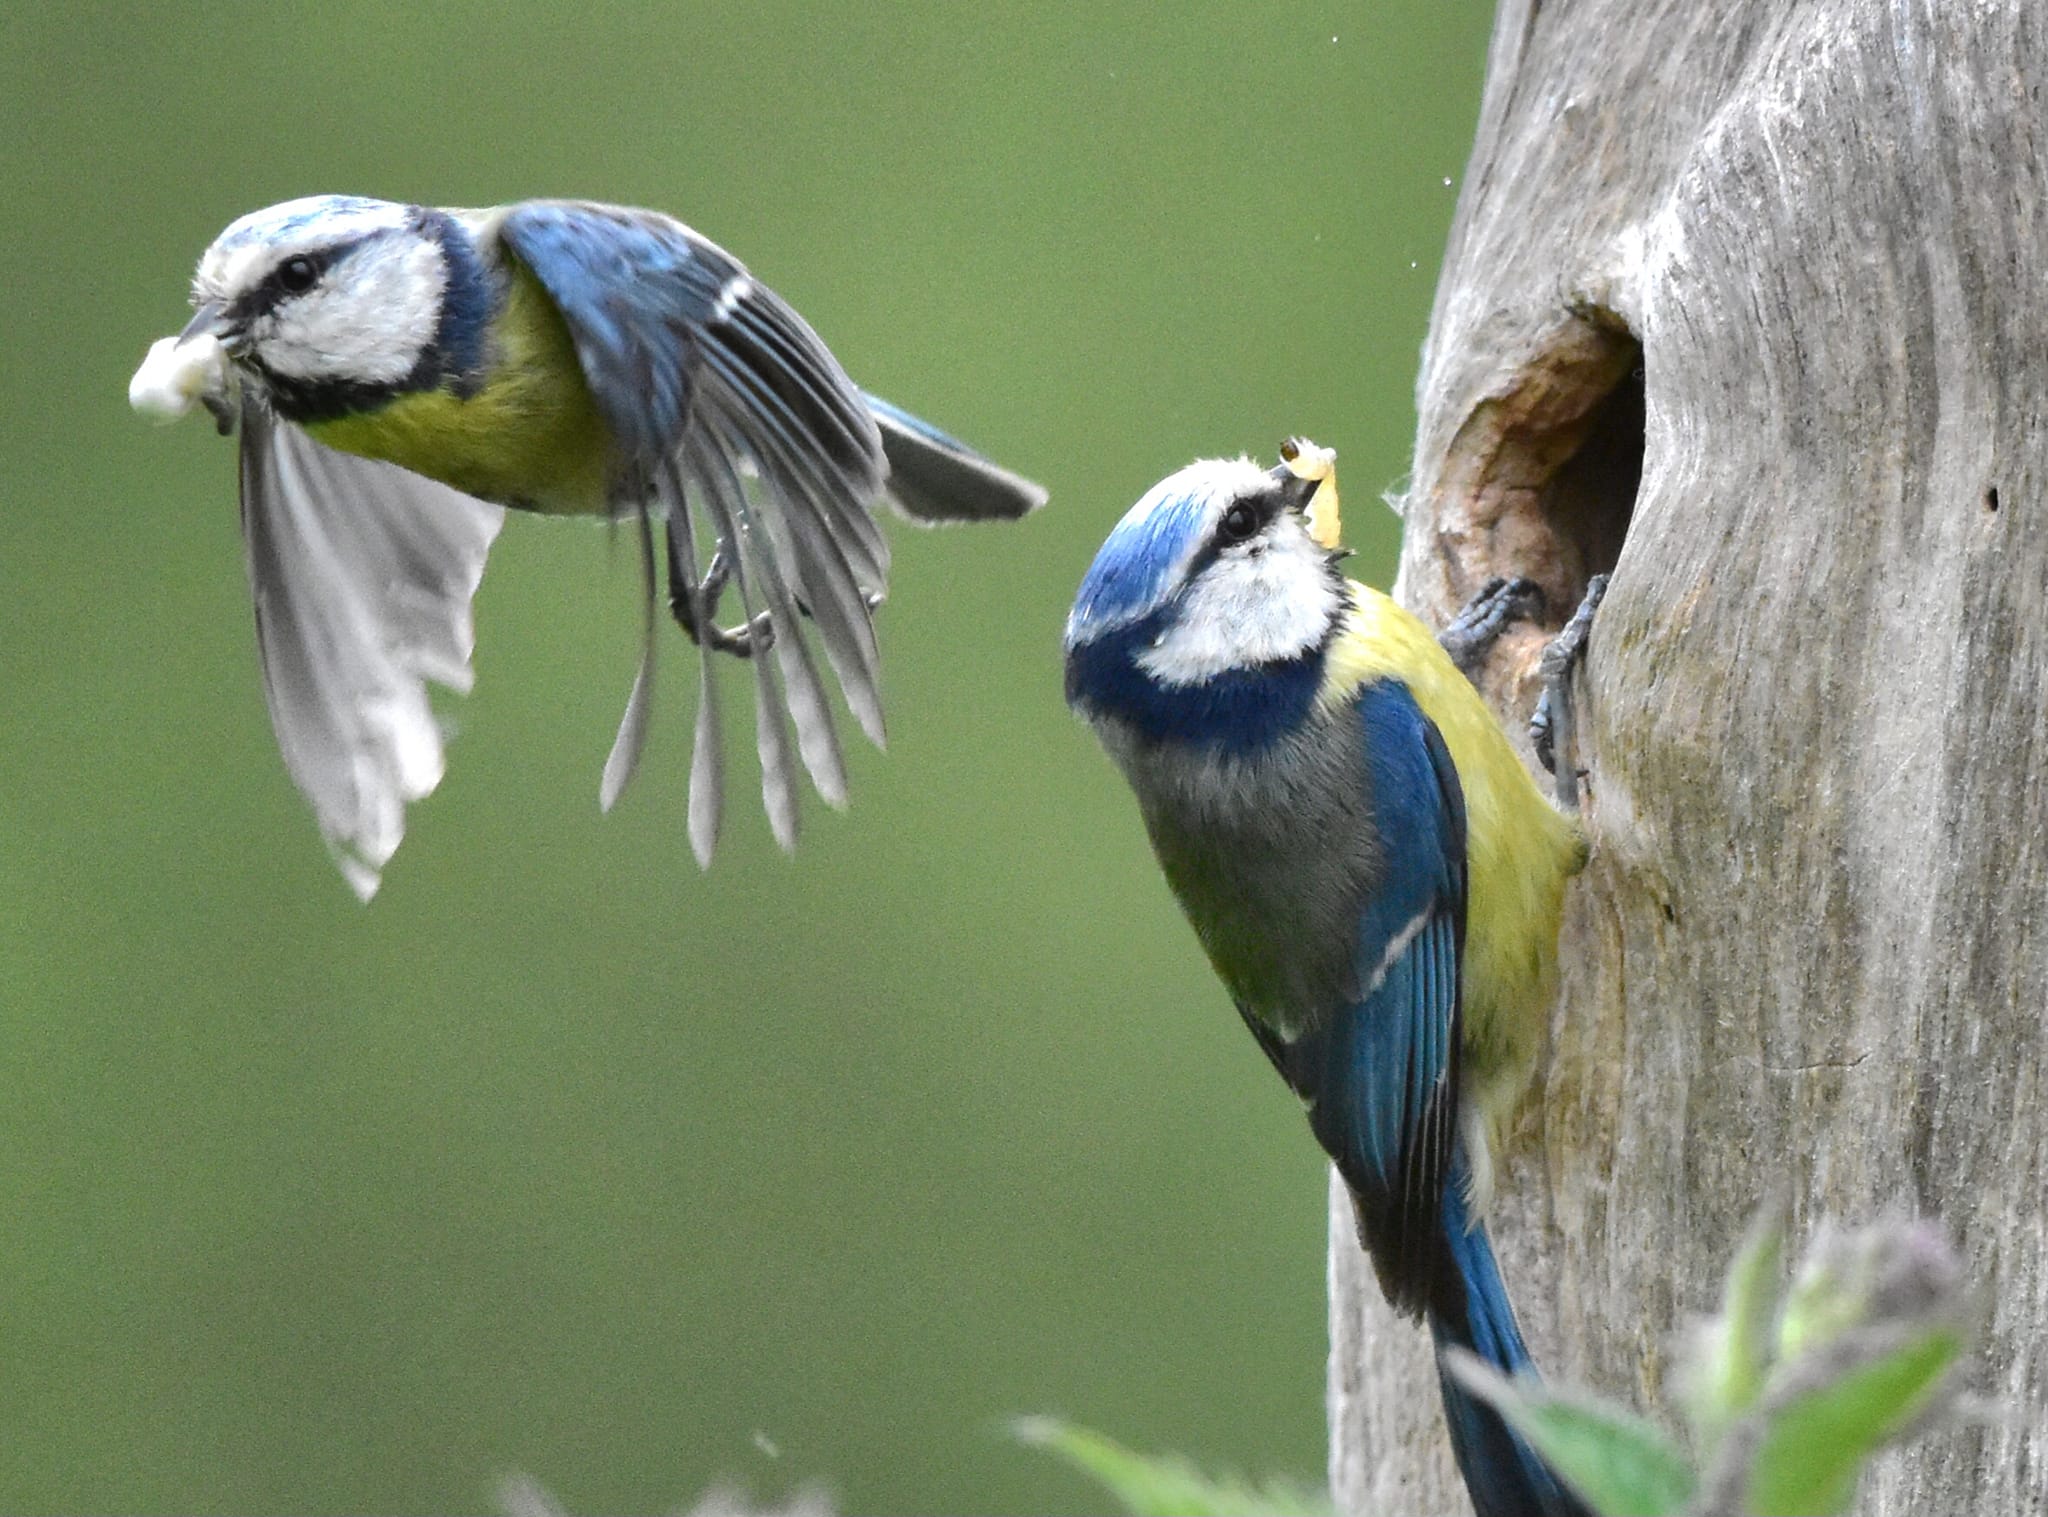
x=1381 y=1073
x=633 y=290
x=1382 y=1076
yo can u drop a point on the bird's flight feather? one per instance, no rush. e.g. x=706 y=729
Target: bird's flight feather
x=362 y=574
x=722 y=399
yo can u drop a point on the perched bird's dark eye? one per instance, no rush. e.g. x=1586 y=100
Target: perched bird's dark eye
x=1240 y=522
x=296 y=274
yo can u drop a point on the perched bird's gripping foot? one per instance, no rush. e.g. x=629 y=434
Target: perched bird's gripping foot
x=1499 y=604
x=756 y=635
x=1553 y=728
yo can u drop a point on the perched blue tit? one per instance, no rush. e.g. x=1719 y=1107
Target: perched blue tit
x=401 y=374
x=1374 y=875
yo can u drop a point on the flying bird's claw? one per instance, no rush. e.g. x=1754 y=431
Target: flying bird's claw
x=756 y=635
x=1553 y=728
x=1499 y=604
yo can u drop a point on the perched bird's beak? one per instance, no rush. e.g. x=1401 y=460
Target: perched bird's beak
x=1309 y=474
x=1296 y=491
x=179 y=370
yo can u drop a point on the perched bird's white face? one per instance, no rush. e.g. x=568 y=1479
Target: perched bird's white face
x=326 y=290
x=1267 y=598
x=1221 y=554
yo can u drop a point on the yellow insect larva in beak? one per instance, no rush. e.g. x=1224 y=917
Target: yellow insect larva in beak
x=1306 y=460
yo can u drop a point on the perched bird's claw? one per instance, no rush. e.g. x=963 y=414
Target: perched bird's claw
x=1542 y=734
x=1553 y=728
x=1500 y=603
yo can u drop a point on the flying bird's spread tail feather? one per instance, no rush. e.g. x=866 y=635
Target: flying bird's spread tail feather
x=623 y=761
x=707 y=755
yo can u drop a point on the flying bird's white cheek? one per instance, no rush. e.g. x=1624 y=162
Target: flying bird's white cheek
x=1247 y=609
x=368 y=321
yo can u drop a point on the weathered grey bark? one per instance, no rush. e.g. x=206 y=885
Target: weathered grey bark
x=1811 y=950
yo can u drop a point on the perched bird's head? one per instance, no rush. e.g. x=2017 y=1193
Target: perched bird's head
x=334 y=304
x=1215 y=575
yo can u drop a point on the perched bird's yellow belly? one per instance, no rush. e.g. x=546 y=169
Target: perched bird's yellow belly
x=1519 y=849
x=531 y=437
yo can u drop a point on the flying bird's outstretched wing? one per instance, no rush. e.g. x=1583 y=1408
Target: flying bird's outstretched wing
x=362 y=574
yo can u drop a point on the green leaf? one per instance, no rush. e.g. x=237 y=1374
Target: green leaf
x=1620 y=1464
x=1166 y=1485
x=1729 y=1356
x=1816 y=1440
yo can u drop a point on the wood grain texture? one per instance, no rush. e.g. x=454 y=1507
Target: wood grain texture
x=1811 y=951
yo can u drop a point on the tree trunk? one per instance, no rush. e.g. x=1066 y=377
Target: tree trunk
x=1750 y=303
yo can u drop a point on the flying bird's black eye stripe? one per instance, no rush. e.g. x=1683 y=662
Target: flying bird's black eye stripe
x=293 y=276
x=300 y=272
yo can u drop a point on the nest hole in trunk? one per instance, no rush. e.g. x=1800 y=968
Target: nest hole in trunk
x=1540 y=482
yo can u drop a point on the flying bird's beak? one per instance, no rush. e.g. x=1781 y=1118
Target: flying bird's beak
x=206 y=321
x=179 y=370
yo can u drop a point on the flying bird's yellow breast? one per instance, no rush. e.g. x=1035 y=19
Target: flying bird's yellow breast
x=531 y=437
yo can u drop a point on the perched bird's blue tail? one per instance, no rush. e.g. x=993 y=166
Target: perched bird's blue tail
x=1469 y=1308
x=935 y=478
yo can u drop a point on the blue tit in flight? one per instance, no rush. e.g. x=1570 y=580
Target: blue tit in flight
x=1374 y=875
x=401 y=374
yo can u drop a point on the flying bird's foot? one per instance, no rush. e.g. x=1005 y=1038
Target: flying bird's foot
x=755 y=635
x=1553 y=729
x=1499 y=604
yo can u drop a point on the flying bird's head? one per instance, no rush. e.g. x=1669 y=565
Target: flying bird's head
x=330 y=305
x=1216 y=587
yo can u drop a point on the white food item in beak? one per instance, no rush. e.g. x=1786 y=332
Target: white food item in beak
x=176 y=373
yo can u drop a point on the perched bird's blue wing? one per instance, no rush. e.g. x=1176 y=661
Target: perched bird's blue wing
x=362 y=574
x=718 y=393
x=1381 y=1080
x=1381 y=1074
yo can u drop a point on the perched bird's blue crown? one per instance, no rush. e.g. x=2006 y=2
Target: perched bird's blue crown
x=1148 y=554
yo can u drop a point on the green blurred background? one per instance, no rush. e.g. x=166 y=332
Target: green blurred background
x=561 y=1156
